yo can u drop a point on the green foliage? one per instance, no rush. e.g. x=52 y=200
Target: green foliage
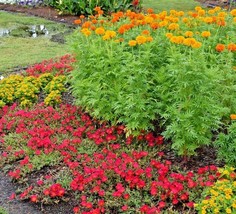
x=134 y=74
x=3 y=211
x=226 y=145
x=78 y=7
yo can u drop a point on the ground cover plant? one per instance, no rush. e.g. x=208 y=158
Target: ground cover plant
x=119 y=163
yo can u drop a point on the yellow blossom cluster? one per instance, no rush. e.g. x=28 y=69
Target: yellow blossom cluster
x=25 y=90
x=221 y=197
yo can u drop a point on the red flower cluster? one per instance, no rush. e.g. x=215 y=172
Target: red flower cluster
x=57 y=67
x=115 y=172
x=55 y=190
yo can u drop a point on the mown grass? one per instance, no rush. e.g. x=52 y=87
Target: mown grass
x=159 y=5
x=17 y=51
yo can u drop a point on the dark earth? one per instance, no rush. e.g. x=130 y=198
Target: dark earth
x=205 y=156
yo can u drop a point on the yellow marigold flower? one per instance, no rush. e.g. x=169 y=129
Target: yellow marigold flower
x=222 y=14
x=233 y=12
x=197 y=8
x=185 y=20
x=141 y=39
x=169 y=35
x=201 y=12
x=86 y=31
x=188 y=34
x=196 y=45
x=180 y=13
x=208 y=20
x=173 y=26
x=132 y=43
x=213 y=192
x=211 y=12
x=163 y=23
x=228 y=210
x=203 y=211
x=189 y=41
x=216 y=211
x=111 y=33
x=205 y=34
x=106 y=37
x=100 y=31
x=148 y=19
x=234 y=205
x=227 y=196
x=228 y=191
x=205 y=201
x=217 y=8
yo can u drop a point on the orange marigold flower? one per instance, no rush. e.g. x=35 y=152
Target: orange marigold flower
x=86 y=24
x=231 y=47
x=220 y=47
x=121 y=30
x=132 y=43
x=100 y=12
x=77 y=21
x=188 y=34
x=150 y=10
x=205 y=34
x=233 y=116
x=154 y=25
x=221 y=23
x=81 y=16
x=173 y=26
x=149 y=39
x=97 y=8
x=100 y=31
x=141 y=39
x=145 y=32
x=233 y=12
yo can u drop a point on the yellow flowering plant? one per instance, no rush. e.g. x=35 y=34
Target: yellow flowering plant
x=221 y=197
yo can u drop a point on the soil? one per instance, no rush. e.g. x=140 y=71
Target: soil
x=205 y=156
x=40 y=11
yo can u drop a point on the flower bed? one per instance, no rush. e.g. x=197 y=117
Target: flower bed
x=59 y=152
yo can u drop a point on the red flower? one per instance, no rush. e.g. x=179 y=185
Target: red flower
x=135 y=3
x=34 y=198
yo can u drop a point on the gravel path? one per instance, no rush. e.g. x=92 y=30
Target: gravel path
x=14 y=206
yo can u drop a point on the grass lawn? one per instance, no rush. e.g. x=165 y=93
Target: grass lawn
x=159 y=5
x=18 y=51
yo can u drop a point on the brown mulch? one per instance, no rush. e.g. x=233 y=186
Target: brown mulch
x=40 y=11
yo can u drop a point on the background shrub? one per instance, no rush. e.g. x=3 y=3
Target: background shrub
x=78 y=7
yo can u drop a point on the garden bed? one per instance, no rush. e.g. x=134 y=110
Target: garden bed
x=68 y=159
